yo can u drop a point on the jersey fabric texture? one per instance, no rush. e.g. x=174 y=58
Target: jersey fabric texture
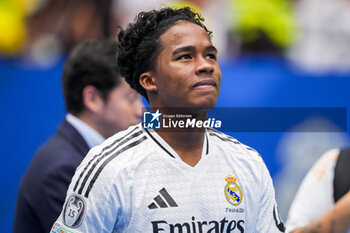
x=135 y=182
x=315 y=195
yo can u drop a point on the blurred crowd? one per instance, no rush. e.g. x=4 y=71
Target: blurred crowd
x=313 y=35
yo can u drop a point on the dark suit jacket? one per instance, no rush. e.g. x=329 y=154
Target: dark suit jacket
x=43 y=188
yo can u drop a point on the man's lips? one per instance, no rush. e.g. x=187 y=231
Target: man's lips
x=204 y=83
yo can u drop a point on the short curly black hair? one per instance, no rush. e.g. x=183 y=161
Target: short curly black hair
x=139 y=44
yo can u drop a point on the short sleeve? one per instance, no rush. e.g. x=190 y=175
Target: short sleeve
x=269 y=220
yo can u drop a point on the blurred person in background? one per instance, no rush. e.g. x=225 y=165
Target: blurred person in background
x=41 y=31
x=99 y=103
x=322 y=203
x=323 y=44
x=261 y=26
x=12 y=26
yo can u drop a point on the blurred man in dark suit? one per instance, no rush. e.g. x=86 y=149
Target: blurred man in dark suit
x=99 y=104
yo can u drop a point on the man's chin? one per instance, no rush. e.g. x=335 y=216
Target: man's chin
x=205 y=104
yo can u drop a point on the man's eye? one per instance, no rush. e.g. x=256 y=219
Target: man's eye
x=211 y=56
x=130 y=98
x=185 y=56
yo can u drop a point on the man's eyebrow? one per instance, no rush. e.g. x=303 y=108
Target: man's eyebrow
x=211 y=48
x=183 y=49
x=190 y=48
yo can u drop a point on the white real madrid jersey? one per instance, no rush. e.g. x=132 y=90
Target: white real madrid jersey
x=135 y=182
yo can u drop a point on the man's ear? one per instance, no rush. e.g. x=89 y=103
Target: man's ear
x=148 y=82
x=92 y=99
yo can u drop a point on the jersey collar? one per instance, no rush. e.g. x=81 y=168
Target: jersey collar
x=169 y=150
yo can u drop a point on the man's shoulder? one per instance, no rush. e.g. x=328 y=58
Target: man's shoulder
x=104 y=162
x=230 y=143
x=51 y=162
x=130 y=137
x=131 y=131
x=121 y=146
x=57 y=148
x=57 y=155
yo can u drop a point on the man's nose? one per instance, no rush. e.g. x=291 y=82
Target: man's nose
x=204 y=66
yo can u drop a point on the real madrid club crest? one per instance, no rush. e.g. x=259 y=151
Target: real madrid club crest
x=74 y=211
x=233 y=192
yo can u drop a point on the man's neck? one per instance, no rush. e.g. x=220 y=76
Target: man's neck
x=91 y=136
x=187 y=142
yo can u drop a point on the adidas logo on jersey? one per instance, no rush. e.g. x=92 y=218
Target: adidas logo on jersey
x=164 y=200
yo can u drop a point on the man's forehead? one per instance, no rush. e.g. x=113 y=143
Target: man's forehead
x=184 y=29
x=185 y=34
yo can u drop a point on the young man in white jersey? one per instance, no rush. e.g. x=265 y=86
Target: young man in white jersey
x=190 y=180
